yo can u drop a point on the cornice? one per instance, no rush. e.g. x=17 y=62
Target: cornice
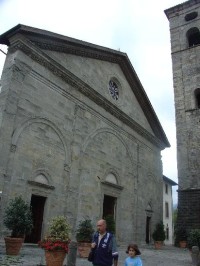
x=71 y=49
x=178 y=8
x=43 y=59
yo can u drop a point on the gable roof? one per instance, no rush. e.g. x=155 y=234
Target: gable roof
x=169 y=181
x=33 y=38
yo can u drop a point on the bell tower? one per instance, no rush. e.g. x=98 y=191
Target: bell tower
x=184 y=20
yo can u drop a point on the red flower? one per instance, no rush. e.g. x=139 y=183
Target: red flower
x=52 y=244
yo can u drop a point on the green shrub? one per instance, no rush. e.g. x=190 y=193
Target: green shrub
x=85 y=231
x=159 y=232
x=59 y=228
x=110 y=223
x=181 y=234
x=193 y=238
x=18 y=217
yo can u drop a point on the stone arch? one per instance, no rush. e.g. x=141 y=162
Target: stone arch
x=193 y=36
x=107 y=130
x=113 y=172
x=42 y=172
x=20 y=128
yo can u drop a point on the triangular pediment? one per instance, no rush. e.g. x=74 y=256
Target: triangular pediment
x=76 y=62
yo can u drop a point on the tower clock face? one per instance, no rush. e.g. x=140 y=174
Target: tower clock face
x=114 y=91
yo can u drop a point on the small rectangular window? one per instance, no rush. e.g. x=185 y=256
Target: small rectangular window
x=166 y=210
x=198 y=100
x=166 y=188
x=167 y=232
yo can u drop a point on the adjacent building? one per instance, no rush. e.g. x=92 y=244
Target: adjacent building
x=168 y=209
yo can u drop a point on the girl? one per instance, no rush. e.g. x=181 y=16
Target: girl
x=133 y=259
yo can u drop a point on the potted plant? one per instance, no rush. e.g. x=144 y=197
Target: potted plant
x=84 y=234
x=18 y=219
x=181 y=236
x=159 y=235
x=56 y=242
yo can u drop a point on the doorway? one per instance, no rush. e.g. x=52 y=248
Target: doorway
x=109 y=212
x=109 y=206
x=37 y=206
x=148 y=231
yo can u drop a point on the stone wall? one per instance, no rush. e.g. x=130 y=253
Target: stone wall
x=184 y=19
x=56 y=142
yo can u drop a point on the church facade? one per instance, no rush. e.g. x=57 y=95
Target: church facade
x=185 y=47
x=79 y=136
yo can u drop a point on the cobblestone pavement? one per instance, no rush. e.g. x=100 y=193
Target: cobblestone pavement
x=31 y=255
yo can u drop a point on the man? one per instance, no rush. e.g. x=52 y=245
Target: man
x=104 y=246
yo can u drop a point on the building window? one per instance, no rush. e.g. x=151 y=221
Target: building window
x=167 y=232
x=166 y=210
x=197 y=97
x=114 y=90
x=191 y=16
x=193 y=36
x=166 y=189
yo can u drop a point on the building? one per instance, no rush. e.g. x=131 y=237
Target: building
x=168 y=209
x=184 y=22
x=79 y=136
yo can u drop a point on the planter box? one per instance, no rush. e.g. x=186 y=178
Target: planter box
x=13 y=245
x=84 y=249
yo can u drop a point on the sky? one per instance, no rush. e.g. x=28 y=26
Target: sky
x=138 y=28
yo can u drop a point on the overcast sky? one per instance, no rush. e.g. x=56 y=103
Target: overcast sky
x=136 y=27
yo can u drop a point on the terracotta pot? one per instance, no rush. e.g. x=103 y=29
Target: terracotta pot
x=13 y=245
x=182 y=244
x=158 y=244
x=84 y=249
x=55 y=257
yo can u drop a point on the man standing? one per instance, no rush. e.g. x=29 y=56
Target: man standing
x=104 y=246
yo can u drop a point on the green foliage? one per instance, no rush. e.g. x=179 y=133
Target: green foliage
x=59 y=228
x=180 y=234
x=159 y=232
x=110 y=223
x=18 y=217
x=193 y=238
x=174 y=216
x=84 y=231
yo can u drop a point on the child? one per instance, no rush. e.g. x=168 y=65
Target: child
x=133 y=259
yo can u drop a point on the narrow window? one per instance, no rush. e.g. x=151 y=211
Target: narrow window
x=167 y=232
x=197 y=97
x=193 y=36
x=166 y=189
x=166 y=210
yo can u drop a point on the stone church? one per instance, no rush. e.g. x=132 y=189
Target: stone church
x=184 y=22
x=78 y=135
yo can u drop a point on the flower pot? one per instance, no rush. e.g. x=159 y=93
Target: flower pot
x=13 y=245
x=158 y=244
x=84 y=249
x=55 y=257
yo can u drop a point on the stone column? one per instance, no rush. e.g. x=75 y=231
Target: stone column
x=195 y=256
x=71 y=258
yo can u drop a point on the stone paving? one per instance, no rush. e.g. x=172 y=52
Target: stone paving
x=31 y=255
